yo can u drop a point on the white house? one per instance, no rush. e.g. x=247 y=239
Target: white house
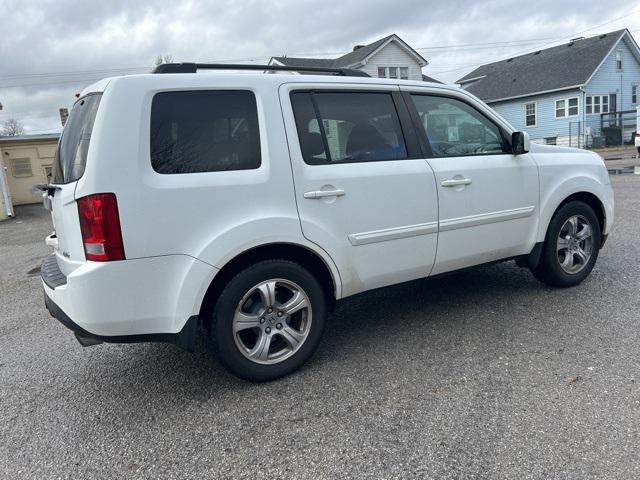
x=389 y=57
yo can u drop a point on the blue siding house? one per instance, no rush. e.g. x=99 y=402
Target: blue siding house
x=558 y=95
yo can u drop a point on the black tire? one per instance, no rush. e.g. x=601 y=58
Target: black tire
x=549 y=270
x=222 y=340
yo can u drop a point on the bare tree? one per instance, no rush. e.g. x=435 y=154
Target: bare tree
x=12 y=127
x=167 y=58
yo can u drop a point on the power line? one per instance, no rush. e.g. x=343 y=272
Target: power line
x=457 y=47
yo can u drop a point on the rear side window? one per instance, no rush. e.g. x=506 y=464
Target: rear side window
x=336 y=127
x=204 y=131
x=71 y=156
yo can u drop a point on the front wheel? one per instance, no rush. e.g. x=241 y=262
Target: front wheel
x=268 y=320
x=571 y=246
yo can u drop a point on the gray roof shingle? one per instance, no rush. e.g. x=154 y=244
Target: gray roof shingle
x=305 y=62
x=551 y=69
x=427 y=78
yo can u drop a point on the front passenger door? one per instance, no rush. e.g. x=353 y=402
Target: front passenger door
x=487 y=196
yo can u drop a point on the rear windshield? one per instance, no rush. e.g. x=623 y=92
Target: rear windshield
x=71 y=157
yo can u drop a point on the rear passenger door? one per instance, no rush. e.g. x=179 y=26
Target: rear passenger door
x=364 y=193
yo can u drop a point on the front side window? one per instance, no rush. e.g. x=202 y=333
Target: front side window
x=204 y=131
x=530 y=114
x=454 y=128
x=336 y=127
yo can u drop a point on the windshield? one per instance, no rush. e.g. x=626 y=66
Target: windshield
x=71 y=156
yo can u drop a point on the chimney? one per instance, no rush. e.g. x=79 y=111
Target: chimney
x=357 y=47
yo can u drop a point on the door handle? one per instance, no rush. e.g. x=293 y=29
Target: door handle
x=323 y=193
x=454 y=182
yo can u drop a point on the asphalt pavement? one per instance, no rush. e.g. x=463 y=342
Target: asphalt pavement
x=481 y=374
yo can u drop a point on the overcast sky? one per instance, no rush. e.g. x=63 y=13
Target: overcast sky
x=50 y=49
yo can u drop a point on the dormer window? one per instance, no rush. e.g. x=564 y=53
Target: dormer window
x=619 y=60
x=393 y=72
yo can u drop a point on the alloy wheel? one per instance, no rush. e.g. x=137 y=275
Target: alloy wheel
x=272 y=321
x=575 y=244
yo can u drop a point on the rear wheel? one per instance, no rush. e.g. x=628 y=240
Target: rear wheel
x=571 y=247
x=268 y=320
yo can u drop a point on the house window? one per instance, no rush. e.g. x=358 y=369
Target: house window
x=551 y=140
x=530 y=119
x=573 y=107
x=567 y=107
x=48 y=171
x=618 y=59
x=596 y=104
x=392 y=72
x=634 y=93
x=21 y=167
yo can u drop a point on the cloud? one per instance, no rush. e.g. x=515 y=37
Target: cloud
x=50 y=49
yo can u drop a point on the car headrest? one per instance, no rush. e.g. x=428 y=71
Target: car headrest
x=311 y=143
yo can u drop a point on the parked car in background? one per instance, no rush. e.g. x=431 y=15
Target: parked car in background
x=241 y=207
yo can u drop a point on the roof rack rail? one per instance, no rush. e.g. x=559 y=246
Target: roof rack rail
x=194 y=67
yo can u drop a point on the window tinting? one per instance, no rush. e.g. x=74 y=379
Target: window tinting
x=455 y=128
x=204 y=131
x=355 y=127
x=71 y=156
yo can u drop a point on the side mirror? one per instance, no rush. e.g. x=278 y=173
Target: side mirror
x=520 y=143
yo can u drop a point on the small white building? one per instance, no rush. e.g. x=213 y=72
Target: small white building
x=389 y=57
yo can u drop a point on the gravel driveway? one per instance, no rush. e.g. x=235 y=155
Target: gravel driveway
x=480 y=374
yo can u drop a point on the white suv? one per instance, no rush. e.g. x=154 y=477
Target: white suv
x=241 y=206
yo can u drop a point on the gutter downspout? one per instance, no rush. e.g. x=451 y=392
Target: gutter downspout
x=584 y=118
x=5 y=190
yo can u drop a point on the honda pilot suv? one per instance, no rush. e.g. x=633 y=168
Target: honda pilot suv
x=238 y=207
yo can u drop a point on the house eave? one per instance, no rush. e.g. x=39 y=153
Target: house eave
x=405 y=46
x=533 y=94
x=473 y=79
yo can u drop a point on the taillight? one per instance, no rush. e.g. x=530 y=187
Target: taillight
x=100 y=227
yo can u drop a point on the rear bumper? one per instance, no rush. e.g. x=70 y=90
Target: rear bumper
x=185 y=339
x=129 y=300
